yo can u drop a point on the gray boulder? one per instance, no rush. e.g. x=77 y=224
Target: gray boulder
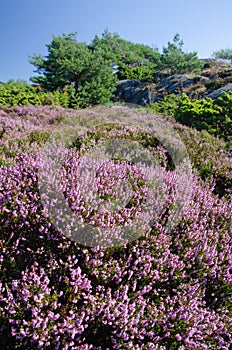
x=217 y=93
x=134 y=91
x=179 y=82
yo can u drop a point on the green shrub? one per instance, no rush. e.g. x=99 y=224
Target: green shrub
x=209 y=157
x=39 y=136
x=167 y=106
x=143 y=72
x=214 y=116
x=14 y=94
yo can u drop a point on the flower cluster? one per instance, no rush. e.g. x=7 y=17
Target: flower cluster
x=24 y=128
x=166 y=289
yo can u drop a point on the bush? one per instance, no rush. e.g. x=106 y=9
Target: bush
x=207 y=114
x=176 y=61
x=214 y=116
x=18 y=95
x=209 y=157
x=143 y=72
x=167 y=289
x=166 y=106
x=13 y=94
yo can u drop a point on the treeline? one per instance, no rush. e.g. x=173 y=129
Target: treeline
x=214 y=116
x=76 y=74
x=88 y=73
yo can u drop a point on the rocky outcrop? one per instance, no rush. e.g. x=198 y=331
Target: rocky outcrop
x=133 y=91
x=210 y=83
x=136 y=92
x=217 y=93
x=193 y=86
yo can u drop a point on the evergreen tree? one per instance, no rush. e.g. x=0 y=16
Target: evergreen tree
x=70 y=63
x=175 y=60
x=130 y=60
x=225 y=54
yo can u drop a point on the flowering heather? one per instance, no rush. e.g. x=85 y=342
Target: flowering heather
x=21 y=128
x=167 y=287
x=209 y=157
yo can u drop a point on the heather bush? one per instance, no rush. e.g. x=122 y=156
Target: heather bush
x=168 y=288
x=209 y=157
x=22 y=127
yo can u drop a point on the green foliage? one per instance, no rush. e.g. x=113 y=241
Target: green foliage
x=201 y=114
x=130 y=60
x=225 y=54
x=175 y=60
x=138 y=61
x=73 y=64
x=22 y=94
x=143 y=72
x=39 y=136
x=214 y=116
x=13 y=94
x=62 y=66
x=97 y=84
x=63 y=98
x=208 y=156
x=166 y=106
x=74 y=74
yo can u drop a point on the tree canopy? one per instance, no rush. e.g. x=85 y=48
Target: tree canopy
x=73 y=64
x=130 y=60
x=174 y=59
x=224 y=54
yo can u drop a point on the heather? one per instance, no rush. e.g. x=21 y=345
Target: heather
x=210 y=158
x=23 y=126
x=132 y=251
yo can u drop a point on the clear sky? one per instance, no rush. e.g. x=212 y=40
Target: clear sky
x=26 y=26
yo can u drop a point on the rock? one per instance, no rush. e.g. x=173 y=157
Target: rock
x=230 y=151
x=177 y=83
x=213 y=80
x=217 y=93
x=136 y=92
x=172 y=81
x=133 y=91
x=2 y=132
x=160 y=76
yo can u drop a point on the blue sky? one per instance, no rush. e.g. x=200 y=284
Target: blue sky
x=26 y=26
